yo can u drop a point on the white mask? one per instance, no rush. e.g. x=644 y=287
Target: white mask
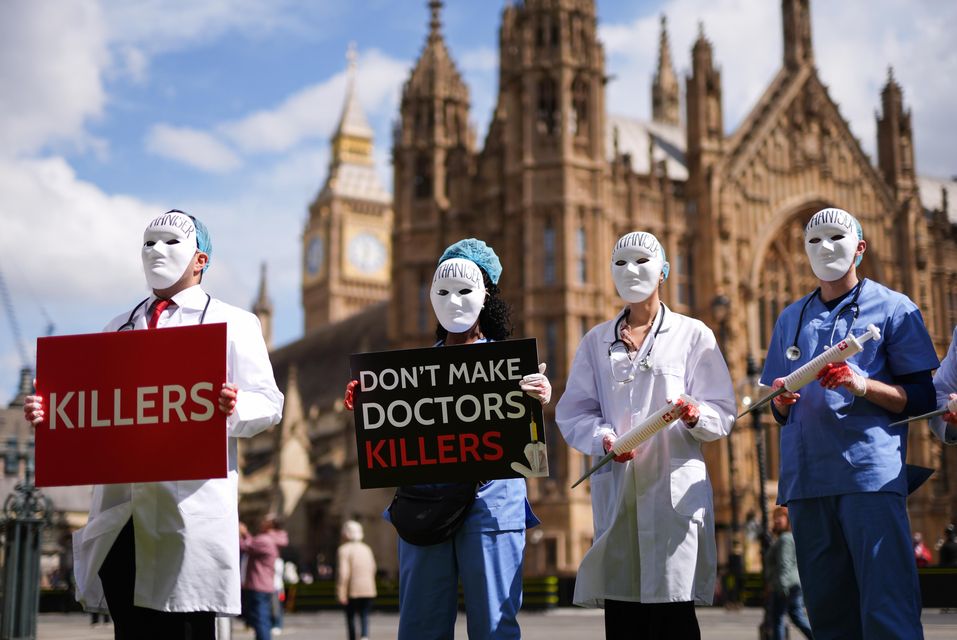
x=458 y=294
x=830 y=241
x=636 y=266
x=169 y=244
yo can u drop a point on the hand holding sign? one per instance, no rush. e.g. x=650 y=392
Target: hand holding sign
x=348 y=401
x=227 y=398
x=537 y=385
x=33 y=407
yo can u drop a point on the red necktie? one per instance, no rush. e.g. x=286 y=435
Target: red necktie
x=157 y=310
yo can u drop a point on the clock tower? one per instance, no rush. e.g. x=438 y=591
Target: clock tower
x=346 y=243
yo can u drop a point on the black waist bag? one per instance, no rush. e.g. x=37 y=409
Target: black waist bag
x=425 y=515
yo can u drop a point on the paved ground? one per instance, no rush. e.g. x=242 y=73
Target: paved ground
x=558 y=624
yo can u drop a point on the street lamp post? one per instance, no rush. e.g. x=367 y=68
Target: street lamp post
x=25 y=513
x=757 y=416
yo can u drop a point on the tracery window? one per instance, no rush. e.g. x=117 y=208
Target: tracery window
x=422 y=182
x=547 y=106
x=579 y=124
x=548 y=251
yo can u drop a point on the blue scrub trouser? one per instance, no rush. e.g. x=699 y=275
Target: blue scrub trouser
x=856 y=566
x=489 y=564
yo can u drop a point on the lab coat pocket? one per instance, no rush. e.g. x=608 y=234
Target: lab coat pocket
x=204 y=498
x=671 y=378
x=689 y=487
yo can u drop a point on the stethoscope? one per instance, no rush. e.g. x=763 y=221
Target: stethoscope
x=794 y=352
x=645 y=362
x=129 y=324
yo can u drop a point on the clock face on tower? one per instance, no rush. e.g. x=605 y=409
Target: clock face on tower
x=366 y=253
x=314 y=255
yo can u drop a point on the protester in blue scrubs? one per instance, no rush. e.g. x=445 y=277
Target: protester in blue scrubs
x=486 y=553
x=842 y=470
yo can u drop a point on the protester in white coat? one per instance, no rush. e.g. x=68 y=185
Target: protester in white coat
x=168 y=552
x=654 y=553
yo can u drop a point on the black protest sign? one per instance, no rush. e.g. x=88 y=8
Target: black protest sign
x=447 y=414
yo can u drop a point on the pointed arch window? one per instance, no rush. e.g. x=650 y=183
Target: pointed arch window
x=548 y=253
x=422 y=181
x=580 y=107
x=581 y=242
x=547 y=112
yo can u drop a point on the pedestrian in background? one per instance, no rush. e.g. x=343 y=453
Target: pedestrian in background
x=355 y=579
x=262 y=550
x=921 y=553
x=782 y=580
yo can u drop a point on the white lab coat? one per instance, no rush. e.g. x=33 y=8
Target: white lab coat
x=654 y=516
x=945 y=383
x=186 y=533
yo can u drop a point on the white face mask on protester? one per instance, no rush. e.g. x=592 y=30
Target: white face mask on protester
x=830 y=241
x=458 y=294
x=169 y=244
x=637 y=263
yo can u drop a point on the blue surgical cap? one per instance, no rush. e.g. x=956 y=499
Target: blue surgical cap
x=203 y=243
x=478 y=252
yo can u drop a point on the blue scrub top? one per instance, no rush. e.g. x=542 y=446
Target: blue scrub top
x=834 y=443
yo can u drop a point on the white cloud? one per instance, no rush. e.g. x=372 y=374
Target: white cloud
x=853 y=43
x=67 y=236
x=51 y=65
x=161 y=26
x=312 y=113
x=191 y=147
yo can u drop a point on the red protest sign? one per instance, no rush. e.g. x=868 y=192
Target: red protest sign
x=131 y=406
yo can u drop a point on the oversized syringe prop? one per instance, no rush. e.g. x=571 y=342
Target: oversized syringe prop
x=950 y=407
x=840 y=352
x=652 y=425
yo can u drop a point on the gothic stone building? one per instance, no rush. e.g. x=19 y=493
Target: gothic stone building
x=557 y=181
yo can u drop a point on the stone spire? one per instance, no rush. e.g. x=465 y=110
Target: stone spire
x=796 y=19
x=352 y=141
x=262 y=308
x=435 y=74
x=664 y=89
x=895 y=139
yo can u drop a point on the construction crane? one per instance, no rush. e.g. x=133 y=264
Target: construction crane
x=12 y=317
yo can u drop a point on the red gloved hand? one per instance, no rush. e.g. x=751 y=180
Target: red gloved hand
x=349 y=398
x=840 y=374
x=608 y=441
x=688 y=413
x=786 y=399
x=951 y=416
x=227 y=398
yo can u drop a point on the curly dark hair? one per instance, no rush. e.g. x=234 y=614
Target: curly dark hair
x=495 y=319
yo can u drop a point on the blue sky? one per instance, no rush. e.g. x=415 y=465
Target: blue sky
x=112 y=111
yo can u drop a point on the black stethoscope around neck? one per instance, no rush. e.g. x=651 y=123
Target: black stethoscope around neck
x=794 y=352
x=645 y=362
x=129 y=325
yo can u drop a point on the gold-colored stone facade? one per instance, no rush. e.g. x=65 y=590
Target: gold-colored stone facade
x=553 y=187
